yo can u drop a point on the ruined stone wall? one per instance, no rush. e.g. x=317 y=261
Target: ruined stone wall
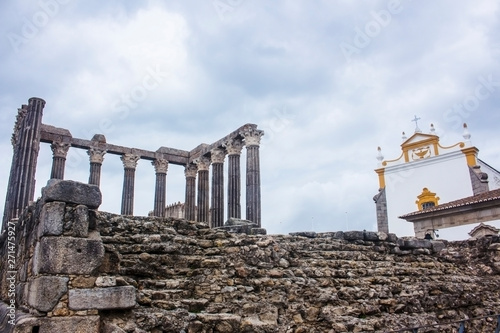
x=81 y=270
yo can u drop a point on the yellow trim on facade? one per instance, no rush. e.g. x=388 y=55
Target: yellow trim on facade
x=425 y=197
x=461 y=144
x=381 y=177
x=436 y=149
x=430 y=141
x=470 y=155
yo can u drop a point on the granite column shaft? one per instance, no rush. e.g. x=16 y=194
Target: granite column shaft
x=130 y=163
x=234 y=148
x=253 y=197
x=26 y=144
x=161 y=167
x=190 y=199
x=217 y=210
x=203 y=190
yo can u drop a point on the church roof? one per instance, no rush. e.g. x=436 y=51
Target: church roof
x=468 y=201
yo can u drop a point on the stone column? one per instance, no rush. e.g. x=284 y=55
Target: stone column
x=59 y=152
x=381 y=210
x=203 y=164
x=252 y=142
x=189 y=202
x=129 y=164
x=161 y=167
x=96 y=157
x=233 y=148
x=217 y=159
x=26 y=144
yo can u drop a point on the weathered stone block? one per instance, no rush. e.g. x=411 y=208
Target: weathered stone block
x=72 y=192
x=392 y=238
x=102 y=298
x=80 y=324
x=382 y=236
x=81 y=222
x=437 y=246
x=354 y=235
x=308 y=234
x=106 y=281
x=51 y=219
x=371 y=236
x=45 y=291
x=236 y=221
x=338 y=235
x=258 y=231
x=68 y=255
x=414 y=244
x=83 y=281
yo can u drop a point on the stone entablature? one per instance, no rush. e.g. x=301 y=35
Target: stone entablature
x=81 y=270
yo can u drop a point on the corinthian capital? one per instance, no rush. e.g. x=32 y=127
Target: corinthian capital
x=96 y=155
x=233 y=146
x=161 y=165
x=190 y=170
x=130 y=161
x=251 y=136
x=60 y=149
x=217 y=155
x=203 y=163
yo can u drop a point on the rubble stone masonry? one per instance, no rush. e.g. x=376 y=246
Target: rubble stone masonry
x=81 y=270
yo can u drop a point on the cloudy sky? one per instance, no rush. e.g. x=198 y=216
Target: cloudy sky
x=328 y=82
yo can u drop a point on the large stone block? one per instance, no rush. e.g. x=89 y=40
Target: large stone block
x=51 y=219
x=72 y=192
x=80 y=324
x=45 y=291
x=122 y=297
x=81 y=221
x=414 y=243
x=68 y=255
x=354 y=235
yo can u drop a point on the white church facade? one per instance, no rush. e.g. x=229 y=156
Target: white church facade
x=416 y=187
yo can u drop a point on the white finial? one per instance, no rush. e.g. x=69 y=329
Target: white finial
x=433 y=130
x=404 y=136
x=380 y=157
x=466 y=133
x=417 y=130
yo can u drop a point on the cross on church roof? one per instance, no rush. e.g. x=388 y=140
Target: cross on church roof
x=416 y=119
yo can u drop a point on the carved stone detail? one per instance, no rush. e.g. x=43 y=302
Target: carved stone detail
x=218 y=155
x=130 y=161
x=190 y=170
x=252 y=136
x=60 y=149
x=203 y=163
x=21 y=113
x=161 y=165
x=96 y=155
x=233 y=146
